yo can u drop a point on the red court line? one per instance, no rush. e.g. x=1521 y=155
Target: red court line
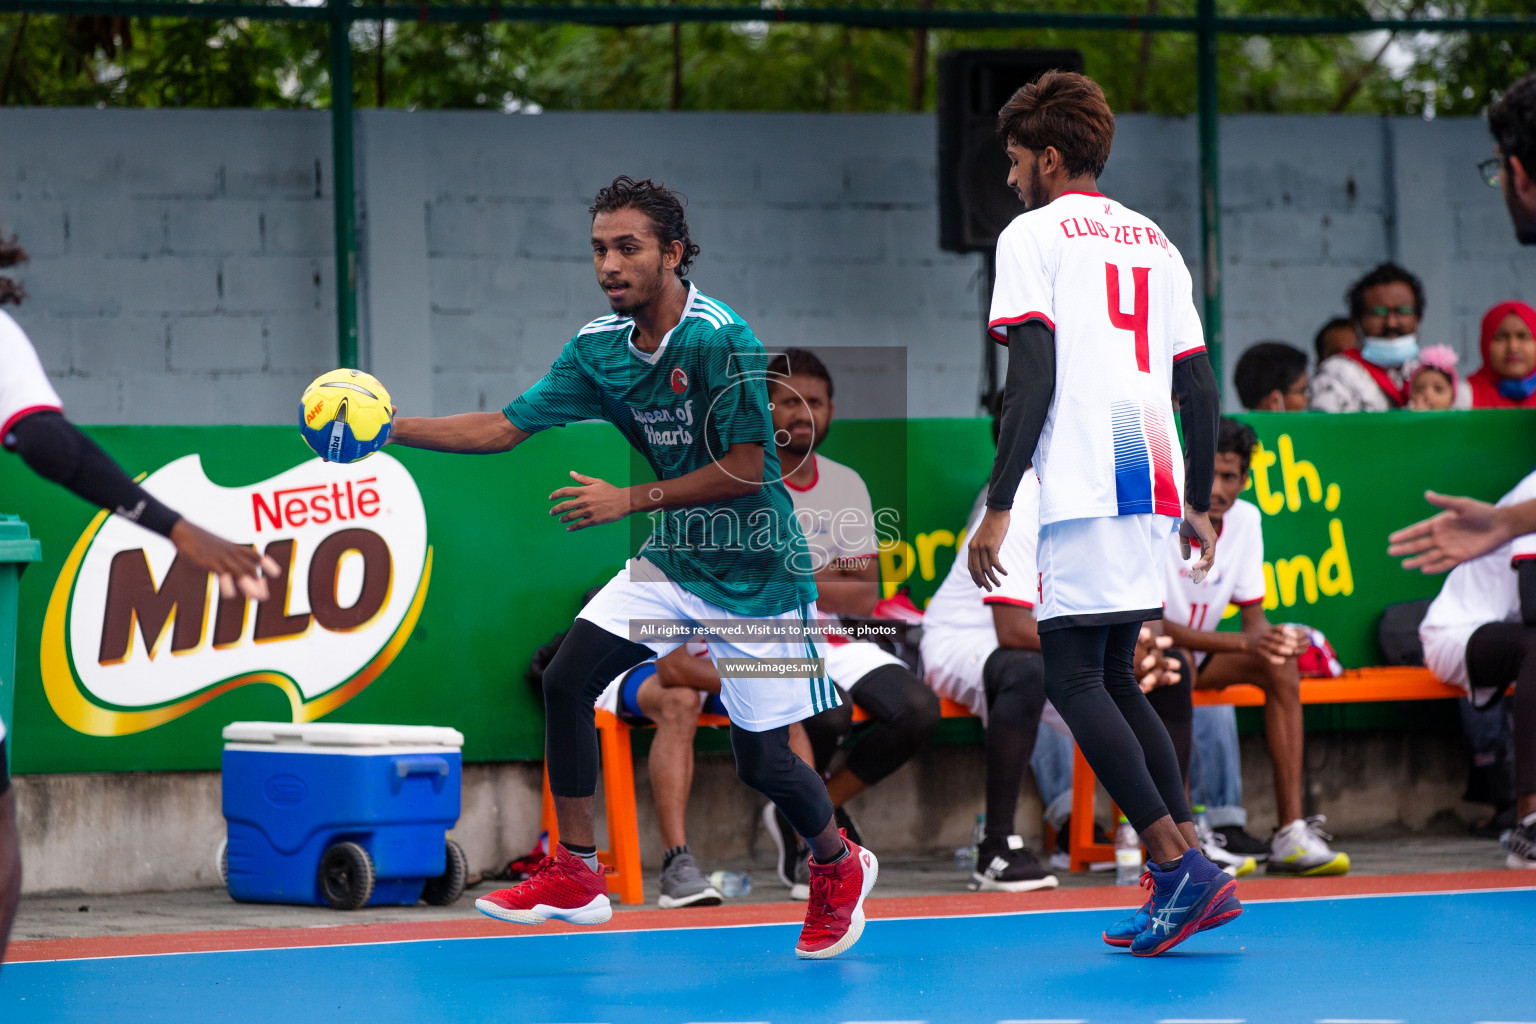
x=762 y=913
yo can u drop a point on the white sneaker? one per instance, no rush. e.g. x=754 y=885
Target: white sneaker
x=1520 y=847
x=1214 y=846
x=1301 y=848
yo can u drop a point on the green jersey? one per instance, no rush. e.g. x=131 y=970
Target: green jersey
x=702 y=390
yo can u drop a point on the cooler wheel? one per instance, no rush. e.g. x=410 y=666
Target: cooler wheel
x=346 y=876
x=449 y=885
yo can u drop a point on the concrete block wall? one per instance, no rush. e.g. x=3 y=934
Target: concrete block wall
x=181 y=261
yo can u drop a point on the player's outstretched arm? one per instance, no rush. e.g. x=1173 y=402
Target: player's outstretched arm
x=1027 y=392
x=1467 y=529
x=56 y=450
x=1199 y=408
x=469 y=433
x=593 y=502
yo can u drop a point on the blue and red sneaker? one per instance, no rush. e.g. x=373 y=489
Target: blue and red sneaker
x=1193 y=897
x=1124 y=931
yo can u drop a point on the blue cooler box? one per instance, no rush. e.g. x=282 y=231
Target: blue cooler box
x=342 y=815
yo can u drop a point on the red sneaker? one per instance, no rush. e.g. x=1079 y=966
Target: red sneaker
x=561 y=886
x=834 y=920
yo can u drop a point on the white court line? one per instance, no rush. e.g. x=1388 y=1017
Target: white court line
x=1503 y=1022
x=533 y=933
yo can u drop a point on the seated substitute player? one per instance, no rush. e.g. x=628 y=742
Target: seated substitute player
x=836 y=515
x=1480 y=634
x=1260 y=654
x=32 y=425
x=681 y=377
x=1095 y=305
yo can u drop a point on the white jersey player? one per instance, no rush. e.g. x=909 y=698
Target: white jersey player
x=32 y=424
x=1480 y=634
x=1096 y=307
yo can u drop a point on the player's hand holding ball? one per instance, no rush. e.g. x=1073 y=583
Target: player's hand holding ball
x=346 y=415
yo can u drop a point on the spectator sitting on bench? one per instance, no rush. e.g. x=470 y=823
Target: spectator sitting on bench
x=1272 y=377
x=833 y=508
x=1260 y=654
x=669 y=693
x=1480 y=634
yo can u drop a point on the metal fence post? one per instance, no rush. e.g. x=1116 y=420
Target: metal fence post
x=343 y=183
x=1210 y=180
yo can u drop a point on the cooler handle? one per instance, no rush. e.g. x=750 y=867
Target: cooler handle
x=422 y=765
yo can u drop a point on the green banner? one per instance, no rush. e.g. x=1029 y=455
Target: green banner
x=421 y=584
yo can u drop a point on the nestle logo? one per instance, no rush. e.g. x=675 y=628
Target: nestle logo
x=315 y=504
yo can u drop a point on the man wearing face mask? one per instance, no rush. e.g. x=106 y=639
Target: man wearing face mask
x=1385 y=306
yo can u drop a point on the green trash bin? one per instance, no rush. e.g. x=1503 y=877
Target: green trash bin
x=17 y=548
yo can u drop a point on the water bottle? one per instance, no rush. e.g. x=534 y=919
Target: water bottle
x=731 y=884
x=1127 y=854
x=965 y=856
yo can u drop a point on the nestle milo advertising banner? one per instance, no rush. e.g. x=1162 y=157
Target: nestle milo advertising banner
x=418 y=585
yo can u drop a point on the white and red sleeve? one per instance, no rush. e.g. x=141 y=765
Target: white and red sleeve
x=1188 y=334
x=1025 y=289
x=24 y=387
x=1248 y=585
x=1022 y=584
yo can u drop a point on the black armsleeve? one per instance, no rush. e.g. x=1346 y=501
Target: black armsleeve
x=1526 y=568
x=56 y=450
x=1027 y=392
x=1199 y=408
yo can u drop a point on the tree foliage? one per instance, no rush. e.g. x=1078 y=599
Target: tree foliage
x=50 y=60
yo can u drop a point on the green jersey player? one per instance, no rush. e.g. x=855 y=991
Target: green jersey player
x=684 y=380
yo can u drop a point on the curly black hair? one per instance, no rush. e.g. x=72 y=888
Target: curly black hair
x=1385 y=273
x=1267 y=367
x=1234 y=438
x=11 y=255
x=1512 y=122
x=662 y=205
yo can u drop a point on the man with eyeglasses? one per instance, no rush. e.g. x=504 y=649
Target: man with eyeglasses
x=1467 y=527
x=1385 y=306
x=1512 y=121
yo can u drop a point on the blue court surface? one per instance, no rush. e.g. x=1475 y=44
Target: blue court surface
x=1463 y=957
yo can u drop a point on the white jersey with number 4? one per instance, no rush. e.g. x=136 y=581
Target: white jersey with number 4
x=1237 y=577
x=1116 y=292
x=24 y=387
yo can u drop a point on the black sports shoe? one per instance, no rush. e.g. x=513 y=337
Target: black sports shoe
x=845 y=822
x=1520 y=847
x=1061 y=857
x=1003 y=864
x=791 y=851
x=1243 y=844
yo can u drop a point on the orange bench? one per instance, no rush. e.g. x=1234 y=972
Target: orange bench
x=623 y=859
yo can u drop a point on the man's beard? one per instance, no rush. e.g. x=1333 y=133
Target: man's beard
x=799 y=451
x=1034 y=194
x=1524 y=220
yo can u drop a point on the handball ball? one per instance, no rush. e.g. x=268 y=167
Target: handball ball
x=345 y=415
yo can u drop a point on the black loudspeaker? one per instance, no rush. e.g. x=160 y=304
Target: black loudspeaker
x=975 y=202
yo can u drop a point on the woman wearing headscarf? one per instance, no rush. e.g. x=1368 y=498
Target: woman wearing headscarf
x=1507 y=378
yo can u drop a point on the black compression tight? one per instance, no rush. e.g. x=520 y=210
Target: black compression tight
x=1175 y=706
x=903 y=714
x=765 y=762
x=1090 y=679
x=1498 y=654
x=1015 y=688
x=589 y=659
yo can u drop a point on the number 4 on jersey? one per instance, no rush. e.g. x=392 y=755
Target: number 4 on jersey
x=1136 y=321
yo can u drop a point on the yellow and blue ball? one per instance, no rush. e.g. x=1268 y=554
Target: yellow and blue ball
x=345 y=415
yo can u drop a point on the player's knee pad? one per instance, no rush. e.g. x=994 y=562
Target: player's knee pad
x=589 y=659
x=1016 y=673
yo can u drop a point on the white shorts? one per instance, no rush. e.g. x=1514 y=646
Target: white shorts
x=756 y=703
x=1102 y=570
x=1445 y=653
x=952 y=666
x=848 y=663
